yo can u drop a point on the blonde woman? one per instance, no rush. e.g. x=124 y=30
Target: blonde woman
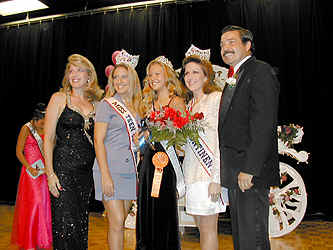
x=117 y=118
x=157 y=218
x=69 y=152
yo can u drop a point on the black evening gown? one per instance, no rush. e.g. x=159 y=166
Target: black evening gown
x=73 y=159
x=157 y=218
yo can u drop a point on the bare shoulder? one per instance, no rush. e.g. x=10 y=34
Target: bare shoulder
x=58 y=97
x=24 y=132
x=56 y=104
x=25 y=129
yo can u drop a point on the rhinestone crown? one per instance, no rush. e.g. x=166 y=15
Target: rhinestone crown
x=126 y=58
x=203 y=54
x=165 y=61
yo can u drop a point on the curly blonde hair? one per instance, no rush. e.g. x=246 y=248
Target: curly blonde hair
x=93 y=92
x=135 y=88
x=174 y=85
x=207 y=67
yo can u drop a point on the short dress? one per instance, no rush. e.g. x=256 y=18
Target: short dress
x=197 y=179
x=121 y=164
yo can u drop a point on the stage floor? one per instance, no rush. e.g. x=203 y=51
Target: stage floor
x=309 y=235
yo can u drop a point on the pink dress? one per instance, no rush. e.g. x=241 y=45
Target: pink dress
x=32 y=217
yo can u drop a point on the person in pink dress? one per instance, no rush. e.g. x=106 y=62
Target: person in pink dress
x=32 y=216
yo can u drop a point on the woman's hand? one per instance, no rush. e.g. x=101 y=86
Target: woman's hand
x=214 y=191
x=107 y=186
x=54 y=185
x=136 y=139
x=33 y=171
x=137 y=136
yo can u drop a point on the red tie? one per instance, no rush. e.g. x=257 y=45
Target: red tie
x=231 y=71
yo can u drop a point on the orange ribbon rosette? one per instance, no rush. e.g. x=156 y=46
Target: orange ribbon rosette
x=160 y=161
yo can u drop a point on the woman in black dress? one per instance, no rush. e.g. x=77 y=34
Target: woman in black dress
x=157 y=218
x=69 y=153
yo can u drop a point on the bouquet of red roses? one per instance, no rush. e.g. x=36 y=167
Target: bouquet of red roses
x=175 y=126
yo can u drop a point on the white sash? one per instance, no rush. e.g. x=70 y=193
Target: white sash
x=203 y=154
x=37 y=137
x=201 y=150
x=205 y=157
x=176 y=166
x=130 y=122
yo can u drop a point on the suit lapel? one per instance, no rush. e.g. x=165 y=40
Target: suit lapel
x=229 y=91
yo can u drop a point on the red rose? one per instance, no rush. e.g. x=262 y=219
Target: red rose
x=198 y=116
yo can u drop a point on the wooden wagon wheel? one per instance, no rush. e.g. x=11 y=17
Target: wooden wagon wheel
x=287 y=202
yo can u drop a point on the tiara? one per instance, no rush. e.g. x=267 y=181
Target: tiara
x=165 y=61
x=203 y=54
x=124 y=57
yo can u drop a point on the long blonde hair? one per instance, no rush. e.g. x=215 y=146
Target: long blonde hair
x=174 y=85
x=93 y=92
x=135 y=88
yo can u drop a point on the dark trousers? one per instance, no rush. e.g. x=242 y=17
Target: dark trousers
x=249 y=212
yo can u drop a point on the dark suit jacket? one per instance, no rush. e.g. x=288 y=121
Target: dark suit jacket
x=248 y=126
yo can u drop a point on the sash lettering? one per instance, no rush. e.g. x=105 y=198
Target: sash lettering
x=203 y=154
x=129 y=120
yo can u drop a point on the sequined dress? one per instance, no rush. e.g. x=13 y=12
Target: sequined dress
x=73 y=159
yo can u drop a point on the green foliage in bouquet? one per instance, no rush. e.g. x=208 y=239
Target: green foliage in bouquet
x=174 y=126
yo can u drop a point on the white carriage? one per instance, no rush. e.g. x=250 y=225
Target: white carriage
x=288 y=201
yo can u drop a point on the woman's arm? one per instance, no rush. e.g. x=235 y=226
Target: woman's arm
x=214 y=188
x=20 y=149
x=99 y=136
x=54 y=108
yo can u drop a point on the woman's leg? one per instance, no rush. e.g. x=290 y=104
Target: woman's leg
x=116 y=213
x=208 y=231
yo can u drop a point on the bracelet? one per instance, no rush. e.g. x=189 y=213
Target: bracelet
x=50 y=175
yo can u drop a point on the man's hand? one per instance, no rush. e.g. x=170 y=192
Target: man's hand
x=245 y=181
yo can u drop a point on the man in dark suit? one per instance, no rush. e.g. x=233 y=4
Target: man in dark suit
x=248 y=139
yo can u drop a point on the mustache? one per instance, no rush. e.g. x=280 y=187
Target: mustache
x=228 y=51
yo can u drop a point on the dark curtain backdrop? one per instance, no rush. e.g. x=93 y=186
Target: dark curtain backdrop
x=290 y=35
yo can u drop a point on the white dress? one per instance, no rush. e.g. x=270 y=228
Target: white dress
x=196 y=177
